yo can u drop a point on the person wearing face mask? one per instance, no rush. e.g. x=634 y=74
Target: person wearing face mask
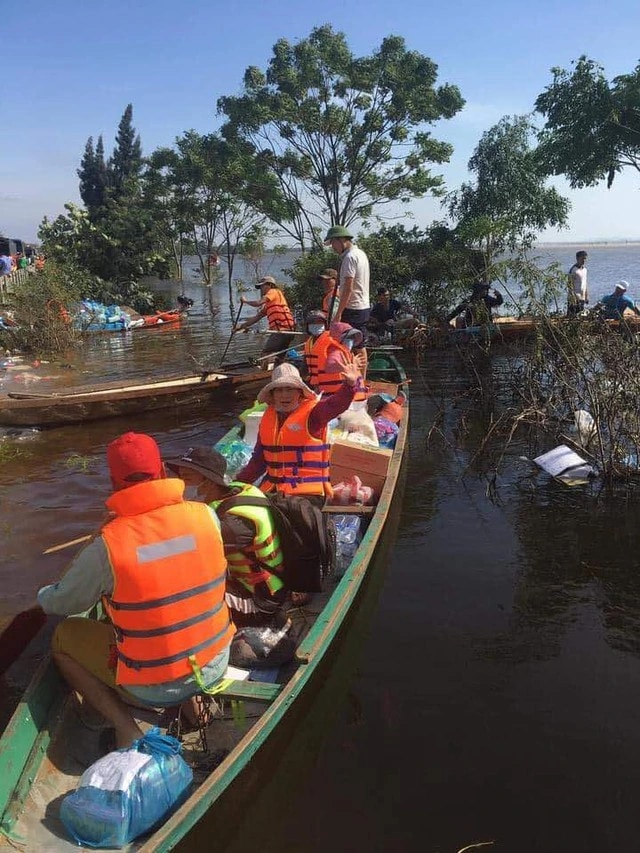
x=292 y=449
x=326 y=352
x=255 y=590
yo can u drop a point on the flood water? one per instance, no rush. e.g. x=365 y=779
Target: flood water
x=495 y=698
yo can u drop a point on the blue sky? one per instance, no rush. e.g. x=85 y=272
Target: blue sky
x=71 y=67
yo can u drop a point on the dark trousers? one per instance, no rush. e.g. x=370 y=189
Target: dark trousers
x=357 y=317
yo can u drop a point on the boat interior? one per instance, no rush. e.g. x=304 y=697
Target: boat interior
x=61 y=737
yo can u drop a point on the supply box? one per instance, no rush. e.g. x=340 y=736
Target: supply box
x=369 y=463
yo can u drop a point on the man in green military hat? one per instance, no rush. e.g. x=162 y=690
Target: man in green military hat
x=353 y=307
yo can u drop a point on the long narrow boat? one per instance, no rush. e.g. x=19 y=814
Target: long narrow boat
x=49 y=741
x=107 y=400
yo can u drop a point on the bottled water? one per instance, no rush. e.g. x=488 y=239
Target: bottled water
x=347 y=541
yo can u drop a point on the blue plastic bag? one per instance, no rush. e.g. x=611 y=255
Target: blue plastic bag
x=128 y=792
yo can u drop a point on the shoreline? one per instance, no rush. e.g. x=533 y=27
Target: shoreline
x=594 y=243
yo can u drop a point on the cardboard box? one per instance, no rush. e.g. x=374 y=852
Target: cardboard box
x=360 y=458
x=382 y=388
x=339 y=475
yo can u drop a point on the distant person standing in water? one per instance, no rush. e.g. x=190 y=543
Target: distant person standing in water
x=577 y=283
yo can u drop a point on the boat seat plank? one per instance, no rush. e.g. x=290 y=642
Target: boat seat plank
x=257 y=691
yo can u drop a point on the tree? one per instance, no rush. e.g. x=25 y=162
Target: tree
x=126 y=161
x=509 y=202
x=592 y=128
x=343 y=135
x=93 y=177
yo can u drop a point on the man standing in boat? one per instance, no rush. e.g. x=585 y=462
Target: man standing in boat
x=159 y=567
x=273 y=305
x=353 y=305
x=577 y=283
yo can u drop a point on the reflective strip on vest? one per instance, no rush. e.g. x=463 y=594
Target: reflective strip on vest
x=169 y=548
x=316 y=355
x=138 y=665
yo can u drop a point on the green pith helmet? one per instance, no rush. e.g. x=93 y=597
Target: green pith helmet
x=340 y=231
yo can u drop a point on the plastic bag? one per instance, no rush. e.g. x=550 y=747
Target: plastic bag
x=386 y=430
x=128 y=792
x=352 y=491
x=237 y=453
x=359 y=426
x=348 y=538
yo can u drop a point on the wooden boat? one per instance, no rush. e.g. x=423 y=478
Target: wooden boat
x=48 y=743
x=109 y=399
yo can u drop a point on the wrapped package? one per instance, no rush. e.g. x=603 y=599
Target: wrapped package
x=352 y=491
x=128 y=792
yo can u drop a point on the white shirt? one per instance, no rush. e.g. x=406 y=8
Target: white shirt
x=355 y=264
x=578 y=279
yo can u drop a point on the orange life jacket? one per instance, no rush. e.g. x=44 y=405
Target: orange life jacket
x=316 y=353
x=278 y=314
x=168 y=565
x=297 y=462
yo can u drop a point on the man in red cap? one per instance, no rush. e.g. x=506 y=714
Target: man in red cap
x=159 y=567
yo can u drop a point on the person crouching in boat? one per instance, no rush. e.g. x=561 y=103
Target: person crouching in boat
x=477 y=309
x=160 y=569
x=292 y=449
x=254 y=592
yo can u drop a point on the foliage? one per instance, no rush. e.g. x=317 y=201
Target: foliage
x=342 y=135
x=306 y=292
x=38 y=306
x=116 y=237
x=592 y=128
x=80 y=245
x=508 y=204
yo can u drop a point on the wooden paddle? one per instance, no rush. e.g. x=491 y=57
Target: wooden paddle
x=233 y=331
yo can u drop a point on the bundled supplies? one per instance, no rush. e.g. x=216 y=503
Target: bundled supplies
x=128 y=792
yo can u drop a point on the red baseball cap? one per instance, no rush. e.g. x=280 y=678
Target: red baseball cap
x=133 y=458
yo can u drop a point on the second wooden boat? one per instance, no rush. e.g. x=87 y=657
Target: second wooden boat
x=109 y=399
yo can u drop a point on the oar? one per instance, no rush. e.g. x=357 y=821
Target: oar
x=68 y=544
x=233 y=331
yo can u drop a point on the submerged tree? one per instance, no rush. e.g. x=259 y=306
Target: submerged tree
x=508 y=204
x=343 y=135
x=592 y=129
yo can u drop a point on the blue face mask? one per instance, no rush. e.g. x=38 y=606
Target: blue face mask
x=348 y=342
x=315 y=330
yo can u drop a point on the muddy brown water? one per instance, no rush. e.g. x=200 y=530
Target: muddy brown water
x=495 y=698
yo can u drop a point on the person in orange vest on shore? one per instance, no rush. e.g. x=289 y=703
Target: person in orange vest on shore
x=273 y=305
x=327 y=351
x=292 y=450
x=39 y=263
x=159 y=567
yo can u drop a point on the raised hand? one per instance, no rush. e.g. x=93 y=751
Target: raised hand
x=350 y=373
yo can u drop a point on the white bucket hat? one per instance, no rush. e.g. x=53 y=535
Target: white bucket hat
x=285 y=376
x=622 y=285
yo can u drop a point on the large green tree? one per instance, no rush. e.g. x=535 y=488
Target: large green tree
x=343 y=135
x=508 y=203
x=592 y=129
x=125 y=163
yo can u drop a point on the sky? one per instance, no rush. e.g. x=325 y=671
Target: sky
x=71 y=67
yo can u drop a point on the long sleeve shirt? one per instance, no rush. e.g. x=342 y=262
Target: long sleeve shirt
x=324 y=411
